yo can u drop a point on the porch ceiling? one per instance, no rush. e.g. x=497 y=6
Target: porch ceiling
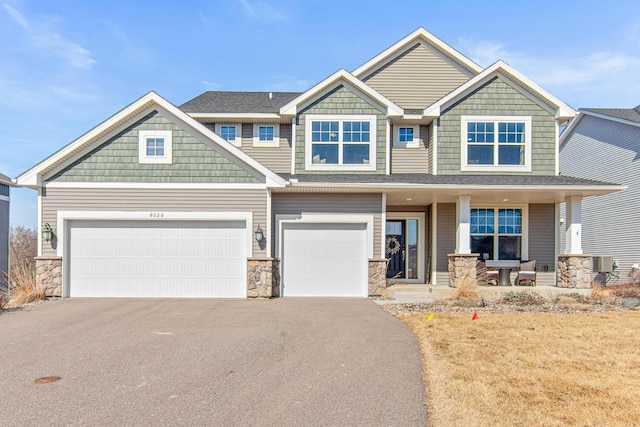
x=418 y=189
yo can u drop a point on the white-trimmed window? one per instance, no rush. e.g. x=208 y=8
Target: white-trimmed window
x=265 y=135
x=155 y=146
x=498 y=233
x=340 y=142
x=495 y=143
x=230 y=132
x=406 y=137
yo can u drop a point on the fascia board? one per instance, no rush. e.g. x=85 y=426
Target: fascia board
x=291 y=107
x=610 y=118
x=418 y=34
x=569 y=130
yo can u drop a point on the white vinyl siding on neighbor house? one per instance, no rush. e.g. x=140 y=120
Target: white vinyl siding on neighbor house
x=340 y=142
x=496 y=143
x=153 y=258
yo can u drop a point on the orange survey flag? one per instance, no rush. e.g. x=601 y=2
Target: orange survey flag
x=475 y=316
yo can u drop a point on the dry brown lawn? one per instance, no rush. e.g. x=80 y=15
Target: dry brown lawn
x=526 y=369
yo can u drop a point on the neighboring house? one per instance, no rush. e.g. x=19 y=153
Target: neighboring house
x=419 y=159
x=604 y=144
x=5 y=185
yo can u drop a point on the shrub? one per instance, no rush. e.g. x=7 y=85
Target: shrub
x=579 y=298
x=522 y=298
x=22 y=251
x=466 y=289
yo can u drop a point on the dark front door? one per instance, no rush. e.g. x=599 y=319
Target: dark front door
x=395 y=249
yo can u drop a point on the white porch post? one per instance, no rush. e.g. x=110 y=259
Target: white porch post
x=574 y=225
x=463 y=231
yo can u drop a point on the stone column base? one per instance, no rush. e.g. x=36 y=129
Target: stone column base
x=49 y=275
x=574 y=271
x=462 y=267
x=377 y=277
x=263 y=278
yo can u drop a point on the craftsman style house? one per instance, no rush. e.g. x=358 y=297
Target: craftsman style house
x=405 y=170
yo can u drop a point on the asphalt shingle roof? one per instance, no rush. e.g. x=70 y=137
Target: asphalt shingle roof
x=445 y=179
x=213 y=102
x=631 y=114
x=6 y=180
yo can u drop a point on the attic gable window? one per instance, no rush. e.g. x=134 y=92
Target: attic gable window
x=345 y=142
x=230 y=132
x=155 y=146
x=495 y=143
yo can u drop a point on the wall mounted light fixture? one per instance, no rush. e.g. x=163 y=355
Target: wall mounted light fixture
x=259 y=235
x=47 y=233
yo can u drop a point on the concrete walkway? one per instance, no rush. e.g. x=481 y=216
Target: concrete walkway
x=277 y=362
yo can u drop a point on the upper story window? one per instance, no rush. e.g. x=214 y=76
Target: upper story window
x=406 y=137
x=155 y=146
x=266 y=135
x=496 y=143
x=340 y=142
x=230 y=132
x=496 y=234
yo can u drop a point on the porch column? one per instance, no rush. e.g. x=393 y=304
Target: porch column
x=463 y=231
x=574 y=225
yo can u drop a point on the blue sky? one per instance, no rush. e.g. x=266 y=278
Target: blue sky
x=65 y=66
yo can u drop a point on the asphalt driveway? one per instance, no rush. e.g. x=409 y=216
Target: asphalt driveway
x=209 y=362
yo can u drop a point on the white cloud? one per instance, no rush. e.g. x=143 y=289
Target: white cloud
x=42 y=38
x=16 y=16
x=286 y=83
x=263 y=12
x=211 y=85
x=602 y=78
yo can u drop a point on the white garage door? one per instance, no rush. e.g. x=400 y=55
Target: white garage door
x=186 y=259
x=328 y=260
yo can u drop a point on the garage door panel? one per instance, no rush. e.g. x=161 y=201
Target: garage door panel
x=157 y=259
x=325 y=259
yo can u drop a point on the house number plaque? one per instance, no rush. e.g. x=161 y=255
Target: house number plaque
x=156 y=215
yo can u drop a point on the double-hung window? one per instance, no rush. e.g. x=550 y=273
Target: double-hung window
x=265 y=135
x=497 y=234
x=496 y=143
x=155 y=147
x=230 y=132
x=340 y=142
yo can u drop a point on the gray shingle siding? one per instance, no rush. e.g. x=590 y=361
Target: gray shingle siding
x=342 y=101
x=606 y=150
x=497 y=98
x=193 y=161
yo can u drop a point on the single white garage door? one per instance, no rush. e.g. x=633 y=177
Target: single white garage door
x=324 y=260
x=165 y=259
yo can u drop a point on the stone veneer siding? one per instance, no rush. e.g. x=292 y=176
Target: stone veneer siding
x=49 y=275
x=574 y=271
x=263 y=278
x=377 y=277
x=462 y=266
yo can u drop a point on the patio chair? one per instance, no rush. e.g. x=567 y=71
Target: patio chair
x=527 y=273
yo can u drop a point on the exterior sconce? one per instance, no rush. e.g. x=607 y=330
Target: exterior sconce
x=47 y=233
x=259 y=235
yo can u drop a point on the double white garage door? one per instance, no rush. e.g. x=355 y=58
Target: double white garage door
x=208 y=259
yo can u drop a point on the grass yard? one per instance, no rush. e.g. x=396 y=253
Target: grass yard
x=526 y=369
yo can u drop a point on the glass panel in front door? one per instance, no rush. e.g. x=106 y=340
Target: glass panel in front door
x=395 y=250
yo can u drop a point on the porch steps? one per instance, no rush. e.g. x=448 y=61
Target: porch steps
x=422 y=292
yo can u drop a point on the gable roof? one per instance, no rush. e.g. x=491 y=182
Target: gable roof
x=502 y=69
x=5 y=180
x=341 y=76
x=627 y=116
x=212 y=102
x=33 y=177
x=630 y=114
x=418 y=36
